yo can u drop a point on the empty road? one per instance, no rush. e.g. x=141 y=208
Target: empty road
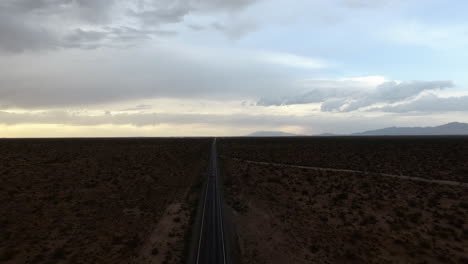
x=211 y=242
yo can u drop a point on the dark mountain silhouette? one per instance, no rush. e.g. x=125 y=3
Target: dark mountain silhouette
x=328 y=135
x=454 y=128
x=271 y=134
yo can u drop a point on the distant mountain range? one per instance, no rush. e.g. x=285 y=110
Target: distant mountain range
x=454 y=128
x=271 y=134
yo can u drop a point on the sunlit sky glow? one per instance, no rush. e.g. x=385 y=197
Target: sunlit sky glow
x=85 y=68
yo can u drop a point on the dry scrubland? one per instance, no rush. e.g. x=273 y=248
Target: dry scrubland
x=98 y=200
x=443 y=158
x=293 y=215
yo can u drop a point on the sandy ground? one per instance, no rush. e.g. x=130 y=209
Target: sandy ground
x=98 y=200
x=293 y=215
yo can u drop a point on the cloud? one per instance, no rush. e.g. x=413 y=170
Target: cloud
x=318 y=91
x=159 y=71
x=295 y=61
x=428 y=103
x=364 y=3
x=87 y=10
x=226 y=124
x=139 y=119
x=36 y=25
x=435 y=36
x=31 y=25
x=84 y=38
x=352 y=94
x=155 y=13
x=332 y=104
x=316 y=95
x=110 y=37
x=390 y=92
x=18 y=36
x=139 y=108
x=227 y=5
x=236 y=29
x=196 y=27
x=162 y=15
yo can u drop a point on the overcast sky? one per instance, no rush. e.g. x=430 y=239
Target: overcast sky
x=229 y=67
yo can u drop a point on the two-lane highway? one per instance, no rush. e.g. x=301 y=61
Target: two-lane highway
x=211 y=242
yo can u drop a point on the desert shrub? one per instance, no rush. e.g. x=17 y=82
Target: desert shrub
x=356 y=235
x=7 y=255
x=310 y=179
x=38 y=259
x=59 y=253
x=133 y=242
x=314 y=249
x=369 y=220
x=456 y=222
x=273 y=179
x=424 y=244
x=415 y=217
x=463 y=204
x=412 y=203
x=342 y=196
x=155 y=251
x=116 y=240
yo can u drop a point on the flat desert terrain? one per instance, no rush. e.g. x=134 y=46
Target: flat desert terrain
x=285 y=214
x=442 y=158
x=289 y=200
x=99 y=200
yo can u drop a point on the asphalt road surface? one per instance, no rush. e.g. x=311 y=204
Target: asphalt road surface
x=211 y=246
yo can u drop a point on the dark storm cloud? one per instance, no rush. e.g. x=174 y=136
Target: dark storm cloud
x=23 y=23
x=162 y=15
x=96 y=11
x=110 y=37
x=231 y=5
x=36 y=24
x=18 y=36
x=80 y=35
x=156 y=13
x=182 y=7
x=88 y=39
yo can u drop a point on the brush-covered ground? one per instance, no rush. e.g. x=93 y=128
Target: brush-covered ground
x=441 y=158
x=98 y=200
x=284 y=214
